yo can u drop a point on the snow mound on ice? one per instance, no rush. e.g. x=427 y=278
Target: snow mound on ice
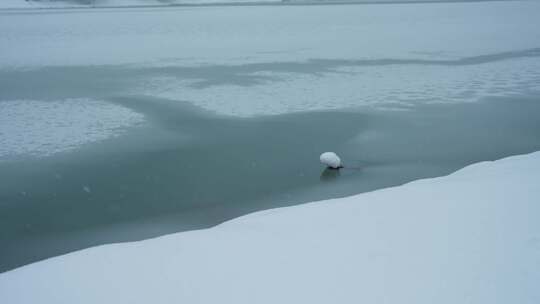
x=330 y=159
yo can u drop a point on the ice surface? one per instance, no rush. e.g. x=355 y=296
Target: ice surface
x=470 y=237
x=42 y=128
x=277 y=59
x=355 y=84
x=236 y=35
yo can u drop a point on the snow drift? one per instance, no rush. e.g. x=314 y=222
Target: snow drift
x=470 y=237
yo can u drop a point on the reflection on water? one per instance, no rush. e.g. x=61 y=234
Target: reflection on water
x=329 y=174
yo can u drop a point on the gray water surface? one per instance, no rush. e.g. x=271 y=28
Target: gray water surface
x=190 y=169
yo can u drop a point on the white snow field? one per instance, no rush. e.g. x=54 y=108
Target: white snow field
x=470 y=237
x=43 y=128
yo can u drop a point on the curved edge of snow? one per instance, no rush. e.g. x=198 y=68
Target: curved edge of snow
x=472 y=236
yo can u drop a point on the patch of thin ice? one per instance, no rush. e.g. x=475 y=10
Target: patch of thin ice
x=378 y=86
x=43 y=128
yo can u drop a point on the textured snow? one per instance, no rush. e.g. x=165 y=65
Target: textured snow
x=470 y=237
x=379 y=86
x=43 y=128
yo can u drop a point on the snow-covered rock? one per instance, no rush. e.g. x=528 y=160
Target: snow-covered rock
x=331 y=160
x=470 y=237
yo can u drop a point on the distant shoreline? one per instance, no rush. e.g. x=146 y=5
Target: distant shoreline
x=252 y=3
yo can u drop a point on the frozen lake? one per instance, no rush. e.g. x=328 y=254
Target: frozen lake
x=123 y=124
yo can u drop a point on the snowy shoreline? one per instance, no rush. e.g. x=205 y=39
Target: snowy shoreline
x=473 y=236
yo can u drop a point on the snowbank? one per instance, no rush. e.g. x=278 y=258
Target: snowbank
x=471 y=237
